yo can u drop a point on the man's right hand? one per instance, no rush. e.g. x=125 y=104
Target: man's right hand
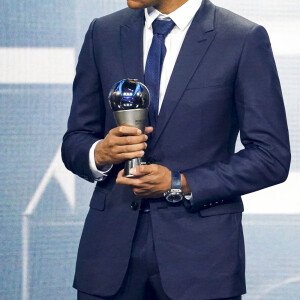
x=120 y=144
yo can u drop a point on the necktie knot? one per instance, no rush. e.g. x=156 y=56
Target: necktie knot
x=162 y=27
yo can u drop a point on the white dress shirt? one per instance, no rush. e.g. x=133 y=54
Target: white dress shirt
x=182 y=17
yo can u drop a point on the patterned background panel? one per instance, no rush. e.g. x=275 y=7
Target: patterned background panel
x=43 y=206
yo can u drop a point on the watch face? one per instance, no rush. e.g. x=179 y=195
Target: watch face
x=174 y=197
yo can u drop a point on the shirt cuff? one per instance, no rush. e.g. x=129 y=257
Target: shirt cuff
x=187 y=201
x=188 y=196
x=99 y=175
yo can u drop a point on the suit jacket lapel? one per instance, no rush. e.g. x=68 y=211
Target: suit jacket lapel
x=199 y=36
x=132 y=45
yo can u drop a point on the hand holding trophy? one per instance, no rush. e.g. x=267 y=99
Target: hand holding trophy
x=129 y=99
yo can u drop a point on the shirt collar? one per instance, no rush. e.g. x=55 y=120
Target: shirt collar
x=182 y=16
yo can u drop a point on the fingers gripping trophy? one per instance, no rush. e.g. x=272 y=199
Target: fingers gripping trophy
x=130 y=99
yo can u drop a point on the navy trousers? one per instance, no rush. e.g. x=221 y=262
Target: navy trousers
x=142 y=281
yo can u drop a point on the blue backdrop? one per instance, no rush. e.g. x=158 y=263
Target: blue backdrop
x=43 y=206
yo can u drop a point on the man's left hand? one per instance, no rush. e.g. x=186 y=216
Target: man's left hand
x=150 y=181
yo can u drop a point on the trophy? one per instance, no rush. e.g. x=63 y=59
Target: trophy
x=129 y=99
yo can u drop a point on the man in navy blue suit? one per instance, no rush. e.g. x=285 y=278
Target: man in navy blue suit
x=174 y=230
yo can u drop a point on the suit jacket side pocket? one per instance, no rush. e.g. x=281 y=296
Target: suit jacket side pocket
x=98 y=199
x=230 y=208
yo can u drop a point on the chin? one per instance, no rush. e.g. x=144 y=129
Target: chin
x=136 y=4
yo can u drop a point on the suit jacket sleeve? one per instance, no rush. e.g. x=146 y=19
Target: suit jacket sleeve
x=265 y=159
x=87 y=116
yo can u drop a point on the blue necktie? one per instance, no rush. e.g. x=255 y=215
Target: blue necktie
x=155 y=59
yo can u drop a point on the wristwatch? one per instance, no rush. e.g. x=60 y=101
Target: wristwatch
x=175 y=194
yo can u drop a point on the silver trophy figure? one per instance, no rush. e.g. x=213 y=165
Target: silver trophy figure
x=129 y=99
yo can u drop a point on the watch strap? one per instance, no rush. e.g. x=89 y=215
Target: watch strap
x=176 y=180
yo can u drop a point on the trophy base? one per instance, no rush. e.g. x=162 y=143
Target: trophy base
x=129 y=164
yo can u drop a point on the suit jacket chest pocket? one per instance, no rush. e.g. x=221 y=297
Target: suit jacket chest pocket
x=211 y=104
x=200 y=83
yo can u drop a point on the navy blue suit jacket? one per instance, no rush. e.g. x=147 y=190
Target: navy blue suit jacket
x=224 y=81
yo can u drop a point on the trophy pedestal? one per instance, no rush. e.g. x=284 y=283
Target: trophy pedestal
x=132 y=117
x=129 y=164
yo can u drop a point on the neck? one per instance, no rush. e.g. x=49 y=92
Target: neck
x=168 y=6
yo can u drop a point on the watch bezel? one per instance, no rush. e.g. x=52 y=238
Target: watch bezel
x=174 y=193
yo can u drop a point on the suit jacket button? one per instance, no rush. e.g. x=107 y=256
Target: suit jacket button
x=134 y=205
